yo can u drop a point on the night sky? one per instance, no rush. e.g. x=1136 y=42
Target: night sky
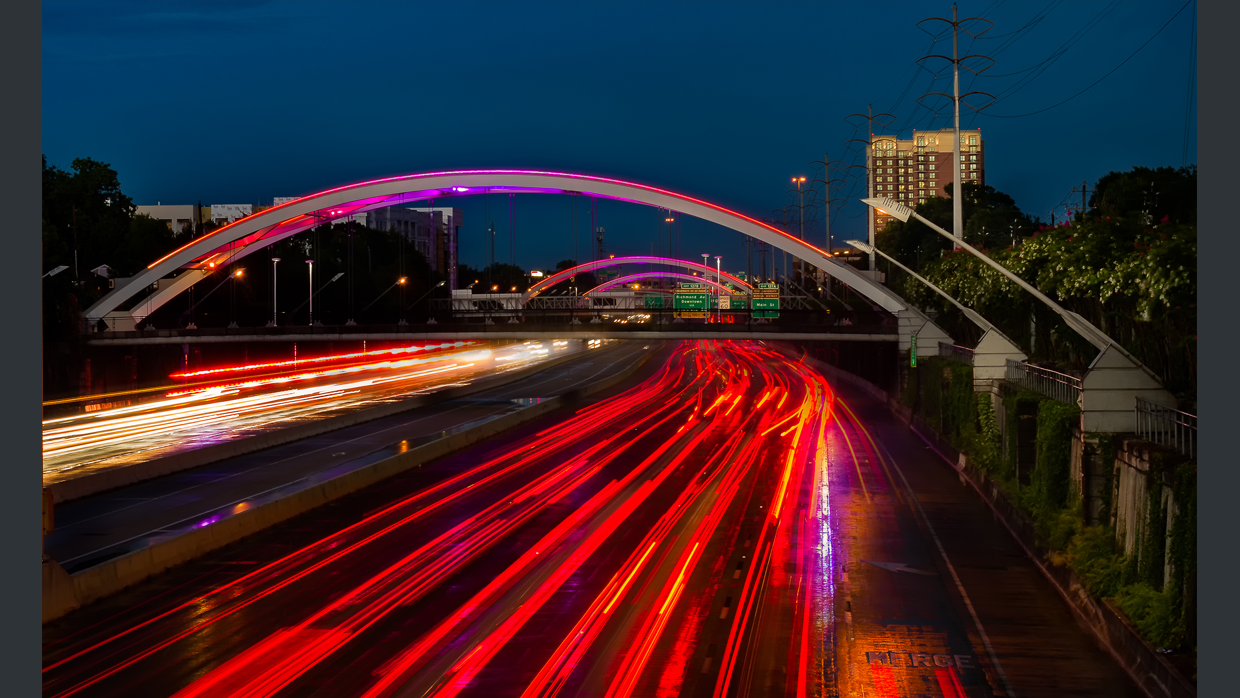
x=241 y=102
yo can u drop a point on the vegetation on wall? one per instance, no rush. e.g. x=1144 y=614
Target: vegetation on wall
x=940 y=392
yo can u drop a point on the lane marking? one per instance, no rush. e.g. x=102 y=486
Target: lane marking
x=898 y=567
x=955 y=578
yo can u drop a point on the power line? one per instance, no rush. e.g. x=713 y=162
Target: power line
x=1104 y=77
x=1192 y=81
x=1059 y=53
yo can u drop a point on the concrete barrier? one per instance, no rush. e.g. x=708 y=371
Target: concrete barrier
x=113 y=478
x=63 y=593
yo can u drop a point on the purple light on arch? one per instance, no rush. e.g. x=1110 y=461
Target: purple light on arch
x=448 y=173
x=559 y=276
x=655 y=274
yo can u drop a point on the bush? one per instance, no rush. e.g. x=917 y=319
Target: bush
x=1154 y=614
x=1093 y=555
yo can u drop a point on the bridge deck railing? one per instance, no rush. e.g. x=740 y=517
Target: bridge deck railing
x=1053 y=384
x=955 y=352
x=1167 y=426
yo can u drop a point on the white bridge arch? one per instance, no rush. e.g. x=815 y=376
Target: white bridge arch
x=238 y=240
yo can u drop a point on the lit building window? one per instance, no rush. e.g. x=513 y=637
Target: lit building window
x=921 y=168
x=973 y=166
x=972 y=140
x=901 y=195
x=932 y=167
x=972 y=149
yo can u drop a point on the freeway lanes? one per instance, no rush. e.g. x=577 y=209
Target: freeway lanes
x=727 y=527
x=105 y=525
x=229 y=403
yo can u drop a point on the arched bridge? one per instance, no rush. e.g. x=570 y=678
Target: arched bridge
x=240 y=239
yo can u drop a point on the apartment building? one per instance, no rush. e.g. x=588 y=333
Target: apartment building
x=911 y=171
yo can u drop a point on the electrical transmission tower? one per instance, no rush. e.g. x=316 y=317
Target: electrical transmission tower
x=983 y=63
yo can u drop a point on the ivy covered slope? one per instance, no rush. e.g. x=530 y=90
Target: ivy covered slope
x=1129 y=265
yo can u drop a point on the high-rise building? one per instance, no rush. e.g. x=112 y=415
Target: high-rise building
x=911 y=171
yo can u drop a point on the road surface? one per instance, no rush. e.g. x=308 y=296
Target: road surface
x=730 y=526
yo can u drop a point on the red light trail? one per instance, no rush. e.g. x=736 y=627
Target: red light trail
x=643 y=497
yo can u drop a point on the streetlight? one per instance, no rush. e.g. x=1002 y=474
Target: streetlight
x=968 y=312
x=310 y=300
x=55 y=271
x=1079 y=324
x=706 y=263
x=399 y=282
x=424 y=295
x=274 y=262
x=232 y=298
x=718 y=280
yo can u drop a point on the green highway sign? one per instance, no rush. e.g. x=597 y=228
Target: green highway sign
x=654 y=302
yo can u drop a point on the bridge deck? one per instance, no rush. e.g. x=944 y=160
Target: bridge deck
x=500 y=330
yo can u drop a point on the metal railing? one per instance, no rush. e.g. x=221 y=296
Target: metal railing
x=1052 y=384
x=1167 y=426
x=956 y=352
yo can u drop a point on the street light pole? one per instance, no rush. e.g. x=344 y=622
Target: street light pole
x=718 y=298
x=311 y=299
x=274 y=286
x=1079 y=324
x=968 y=312
x=706 y=263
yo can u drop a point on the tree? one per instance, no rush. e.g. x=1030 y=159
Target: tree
x=1156 y=193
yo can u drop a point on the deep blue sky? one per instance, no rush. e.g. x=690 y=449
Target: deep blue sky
x=240 y=102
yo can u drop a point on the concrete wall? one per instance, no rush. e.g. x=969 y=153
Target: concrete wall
x=1131 y=508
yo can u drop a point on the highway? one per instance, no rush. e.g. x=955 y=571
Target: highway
x=731 y=525
x=212 y=405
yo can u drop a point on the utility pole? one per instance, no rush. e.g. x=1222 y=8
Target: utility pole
x=827 y=202
x=1083 y=190
x=955 y=96
x=870 y=118
x=76 y=274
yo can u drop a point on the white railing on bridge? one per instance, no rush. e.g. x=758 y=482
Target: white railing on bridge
x=1167 y=426
x=1052 y=384
x=956 y=352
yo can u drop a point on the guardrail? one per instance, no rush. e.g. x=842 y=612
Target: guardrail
x=1052 y=384
x=1167 y=426
x=955 y=352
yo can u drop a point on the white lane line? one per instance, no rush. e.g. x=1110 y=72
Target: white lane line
x=951 y=568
